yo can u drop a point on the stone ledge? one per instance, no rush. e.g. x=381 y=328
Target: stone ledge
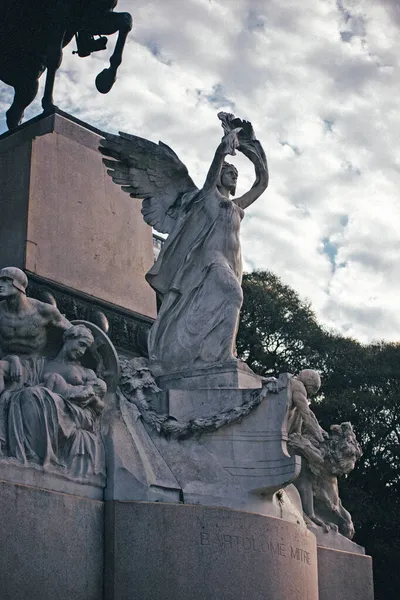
x=13 y=472
x=233 y=374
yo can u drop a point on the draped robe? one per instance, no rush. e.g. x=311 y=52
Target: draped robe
x=197 y=277
x=39 y=425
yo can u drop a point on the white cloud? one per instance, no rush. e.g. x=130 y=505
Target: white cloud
x=318 y=79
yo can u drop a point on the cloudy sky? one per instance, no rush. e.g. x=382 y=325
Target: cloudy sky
x=319 y=79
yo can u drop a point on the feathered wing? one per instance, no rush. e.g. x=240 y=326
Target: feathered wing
x=149 y=171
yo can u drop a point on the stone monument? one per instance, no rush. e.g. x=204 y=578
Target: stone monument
x=58 y=228
x=155 y=470
x=230 y=439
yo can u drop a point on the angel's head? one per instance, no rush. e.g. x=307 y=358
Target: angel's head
x=228 y=178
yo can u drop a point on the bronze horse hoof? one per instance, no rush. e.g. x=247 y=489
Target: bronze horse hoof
x=105 y=80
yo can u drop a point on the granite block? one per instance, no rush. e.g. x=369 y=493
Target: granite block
x=162 y=551
x=51 y=545
x=64 y=219
x=344 y=575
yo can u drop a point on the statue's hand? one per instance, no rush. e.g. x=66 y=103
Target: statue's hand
x=230 y=142
x=15 y=368
x=82 y=394
x=89 y=392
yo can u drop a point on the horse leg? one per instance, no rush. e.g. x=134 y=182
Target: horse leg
x=25 y=93
x=54 y=58
x=113 y=22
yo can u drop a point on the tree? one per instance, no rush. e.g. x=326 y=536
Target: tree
x=278 y=333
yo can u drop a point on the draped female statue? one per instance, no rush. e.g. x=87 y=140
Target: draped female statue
x=197 y=276
x=50 y=417
x=50 y=408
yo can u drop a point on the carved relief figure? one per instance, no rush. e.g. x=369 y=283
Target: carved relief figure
x=54 y=421
x=66 y=376
x=25 y=324
x=325 y=457
x=49 y=409
x=197 y=276
x=321 y=466
x=33 y=34
x=301 y=418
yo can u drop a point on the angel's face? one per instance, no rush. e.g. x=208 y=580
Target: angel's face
x=229 y=176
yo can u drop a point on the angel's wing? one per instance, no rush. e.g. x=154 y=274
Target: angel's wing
x=149 y=171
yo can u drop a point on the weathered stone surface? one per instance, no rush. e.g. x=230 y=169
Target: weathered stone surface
x=81 y=230
x=12 y=471
x=185 y=405
x=163 y=551
x=323 y=461
x=334 y=540
x=234 y=374
x=231 y=452
x=51 y=545
x=50 y=403
x=54 y=376
x=325 y=456
x=344 y=575
x=135 y=468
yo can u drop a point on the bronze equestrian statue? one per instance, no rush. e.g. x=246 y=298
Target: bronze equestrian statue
x=33 y=34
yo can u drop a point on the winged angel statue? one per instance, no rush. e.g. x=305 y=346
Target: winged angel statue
x=197 y=276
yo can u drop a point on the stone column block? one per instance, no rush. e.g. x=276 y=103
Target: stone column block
x=65 y=221
x=51 y=545
x=157 y=551
x=344 y=575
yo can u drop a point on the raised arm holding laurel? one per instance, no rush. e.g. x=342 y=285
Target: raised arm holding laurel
x=197 y=276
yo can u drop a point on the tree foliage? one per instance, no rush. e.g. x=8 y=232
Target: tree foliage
x=280 y=333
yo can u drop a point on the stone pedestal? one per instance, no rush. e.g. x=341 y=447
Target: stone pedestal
x=158 y=551
x=236 y=375
x=344 y=575
x=344 y=571
x=64 y=220
x=51 y=545
x=206 y=517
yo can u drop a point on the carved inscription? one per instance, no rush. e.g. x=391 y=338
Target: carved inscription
x=253 y=544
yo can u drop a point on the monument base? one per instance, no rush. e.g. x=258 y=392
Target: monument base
x=233 y=374
x=344 y=575
x=157 y=551
x=51 y=545
x=53 y=479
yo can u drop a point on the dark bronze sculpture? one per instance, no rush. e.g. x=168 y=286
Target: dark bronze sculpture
x=33 y=34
